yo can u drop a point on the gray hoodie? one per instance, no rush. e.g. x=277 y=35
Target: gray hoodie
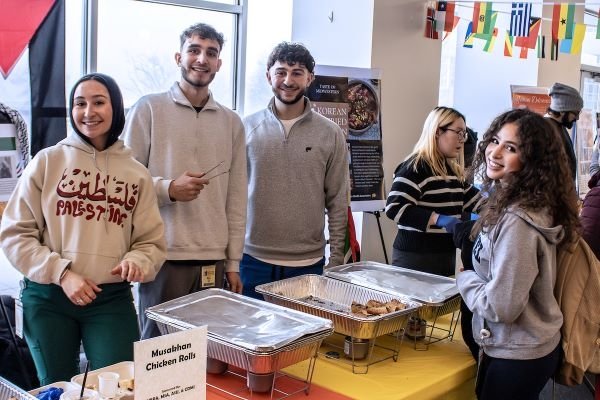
x=511 y=290
x=169 y=136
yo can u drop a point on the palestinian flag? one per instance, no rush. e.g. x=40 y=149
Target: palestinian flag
x=37 y=26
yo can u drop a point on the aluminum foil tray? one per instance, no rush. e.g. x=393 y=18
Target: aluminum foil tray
x=331 y=298
x=258 y=362
x=239 y=320
x=438 y=294
x=10 y=391
x=428 y=312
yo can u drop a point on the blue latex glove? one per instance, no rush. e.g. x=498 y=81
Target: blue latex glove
x=447 y=222
x=52 y=393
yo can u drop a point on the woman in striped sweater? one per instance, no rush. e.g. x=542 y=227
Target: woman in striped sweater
x=429 y=194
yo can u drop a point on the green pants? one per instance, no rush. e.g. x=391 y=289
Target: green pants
x=54 y=328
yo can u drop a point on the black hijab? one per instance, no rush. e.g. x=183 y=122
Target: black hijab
x=116 y=101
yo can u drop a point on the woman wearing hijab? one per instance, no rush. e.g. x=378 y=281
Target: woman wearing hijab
x=81 y=226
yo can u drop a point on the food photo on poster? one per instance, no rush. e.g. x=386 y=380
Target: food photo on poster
x=363 y=118
x=350 y=97
x=364 y=107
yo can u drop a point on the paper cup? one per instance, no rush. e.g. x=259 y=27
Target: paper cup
x=108 y=382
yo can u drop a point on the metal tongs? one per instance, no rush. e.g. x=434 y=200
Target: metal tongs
x=213 y=168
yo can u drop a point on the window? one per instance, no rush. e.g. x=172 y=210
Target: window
x=590 y=54
x=261 y=39
x=137 y=41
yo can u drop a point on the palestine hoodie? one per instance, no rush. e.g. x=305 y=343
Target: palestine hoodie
x=90 y=209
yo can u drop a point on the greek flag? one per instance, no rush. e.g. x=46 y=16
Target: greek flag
x=519 y=19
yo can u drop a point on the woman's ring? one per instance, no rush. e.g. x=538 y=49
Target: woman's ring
x=79 y=301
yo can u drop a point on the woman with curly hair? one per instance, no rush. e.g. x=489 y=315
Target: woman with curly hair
x=530 y=211
x=428 y=195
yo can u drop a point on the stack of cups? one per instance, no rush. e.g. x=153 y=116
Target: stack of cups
x=108 y=382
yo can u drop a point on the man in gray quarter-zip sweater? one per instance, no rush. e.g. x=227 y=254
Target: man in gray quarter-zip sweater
x=297 y=170
x=188 y=140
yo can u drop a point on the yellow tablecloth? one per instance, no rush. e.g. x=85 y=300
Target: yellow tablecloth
x=445 y=371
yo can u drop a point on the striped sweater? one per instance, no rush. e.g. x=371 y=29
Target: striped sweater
x=414 y=196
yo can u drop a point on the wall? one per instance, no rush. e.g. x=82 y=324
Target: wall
x=411 y=70
x=482 y=80
x=410 y=67
x=567 y=69
x=388 y=35
x=343 y=41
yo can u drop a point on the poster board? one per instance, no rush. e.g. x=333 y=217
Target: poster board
x=532 y=97
x=351 y=97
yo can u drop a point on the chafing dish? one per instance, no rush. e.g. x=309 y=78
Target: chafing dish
x=438 y=294
x=248 y=333
x=10 y=391
x=330 y=298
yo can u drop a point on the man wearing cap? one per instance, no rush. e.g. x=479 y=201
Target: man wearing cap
x=565 y=106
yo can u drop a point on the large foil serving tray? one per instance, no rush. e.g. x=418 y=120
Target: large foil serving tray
x=255 y=361
x=239 y=320
x=8 y=390
x=330 y=298
x=438 y=294
x=425 y=288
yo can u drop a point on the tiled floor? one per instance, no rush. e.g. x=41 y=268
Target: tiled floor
x=580 y=392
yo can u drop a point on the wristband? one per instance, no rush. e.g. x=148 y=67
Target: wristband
x=64 y=273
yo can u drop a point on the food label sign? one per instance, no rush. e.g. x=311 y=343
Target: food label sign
x=351 y=97
x=534 y=98
x=172 y=366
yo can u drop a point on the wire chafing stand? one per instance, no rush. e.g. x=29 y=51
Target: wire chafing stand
x=250 y=334
x=438 y=294
x=332 y=299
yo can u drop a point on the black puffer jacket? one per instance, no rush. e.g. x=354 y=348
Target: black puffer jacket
x=590 y=215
